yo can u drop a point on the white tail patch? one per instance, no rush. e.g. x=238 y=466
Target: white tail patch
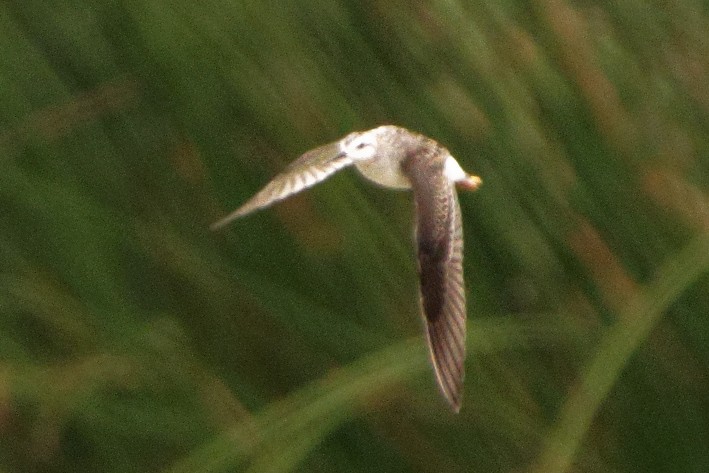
x=453 y=171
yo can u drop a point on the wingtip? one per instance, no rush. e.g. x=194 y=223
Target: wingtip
x=450 y=384
x=219 y=224
x=455 y=407
x=454 y=400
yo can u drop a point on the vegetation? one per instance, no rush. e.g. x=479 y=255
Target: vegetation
x=132 y=338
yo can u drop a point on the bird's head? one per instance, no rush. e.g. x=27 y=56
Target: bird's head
x=361 y=145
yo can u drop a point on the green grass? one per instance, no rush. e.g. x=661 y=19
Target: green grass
x=132 y=338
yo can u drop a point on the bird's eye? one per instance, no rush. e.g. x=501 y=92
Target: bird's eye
x=360 y=147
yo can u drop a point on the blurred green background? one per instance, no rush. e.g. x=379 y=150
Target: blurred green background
x=134 y=339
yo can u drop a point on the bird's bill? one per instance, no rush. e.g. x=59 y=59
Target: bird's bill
x=470 y=183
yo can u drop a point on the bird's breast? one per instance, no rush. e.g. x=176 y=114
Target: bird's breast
x=384 y=172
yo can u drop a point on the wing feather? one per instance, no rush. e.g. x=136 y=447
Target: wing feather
x=308 y=170
x=439 y=239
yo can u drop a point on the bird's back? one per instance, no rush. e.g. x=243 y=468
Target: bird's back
x=394 y=145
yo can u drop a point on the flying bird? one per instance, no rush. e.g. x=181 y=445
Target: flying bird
x=397 y=158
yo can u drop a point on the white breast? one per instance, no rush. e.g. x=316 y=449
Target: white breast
x=385 y=172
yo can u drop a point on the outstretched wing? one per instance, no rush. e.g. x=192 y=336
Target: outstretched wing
x=439 y=238
x=311 y=168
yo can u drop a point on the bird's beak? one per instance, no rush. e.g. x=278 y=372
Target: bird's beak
x=470 y=183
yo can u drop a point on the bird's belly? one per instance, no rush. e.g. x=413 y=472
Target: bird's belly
x=384 y=173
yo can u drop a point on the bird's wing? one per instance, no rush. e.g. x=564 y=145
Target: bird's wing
x=311 y=168
x=439 y=237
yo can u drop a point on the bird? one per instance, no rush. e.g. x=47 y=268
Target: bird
x=397 y=158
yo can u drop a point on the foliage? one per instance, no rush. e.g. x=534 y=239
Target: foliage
x=134 y=339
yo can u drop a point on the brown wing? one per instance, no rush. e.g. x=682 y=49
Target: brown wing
x=439 y=238
x=311 y=168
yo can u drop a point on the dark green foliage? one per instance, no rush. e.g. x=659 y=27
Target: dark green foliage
x=134 y=339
